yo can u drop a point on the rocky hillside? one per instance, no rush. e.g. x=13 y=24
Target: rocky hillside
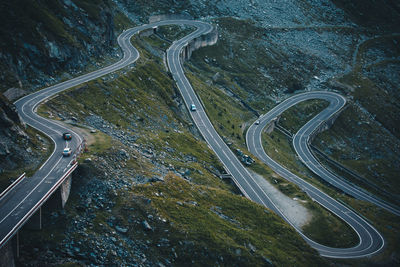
x=21 y=148
x=147 y=192
x=42 y=39
x=11 y=127
x=42 y=43
x=382 y=15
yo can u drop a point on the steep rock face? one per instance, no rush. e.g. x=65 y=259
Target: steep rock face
x=42 y=37
x=40 y=40
x=21 y=148
x=12 y=131
x=8 y=114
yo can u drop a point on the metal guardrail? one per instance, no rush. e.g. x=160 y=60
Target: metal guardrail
x=11 y=186
x=37 y=205
x=74 y=165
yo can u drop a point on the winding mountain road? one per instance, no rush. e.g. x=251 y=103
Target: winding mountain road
x=25 y=198
x=302 y=140
x=370 y=239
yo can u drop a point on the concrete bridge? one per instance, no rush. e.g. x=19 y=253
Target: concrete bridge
x=28 y=216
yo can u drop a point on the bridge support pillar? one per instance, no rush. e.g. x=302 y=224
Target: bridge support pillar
x=60 y=197
x=65 y=189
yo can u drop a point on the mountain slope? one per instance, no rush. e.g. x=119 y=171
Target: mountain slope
x=42 y=38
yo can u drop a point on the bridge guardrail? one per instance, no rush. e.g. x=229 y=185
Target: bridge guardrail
x=37 y=206
x=11 y=186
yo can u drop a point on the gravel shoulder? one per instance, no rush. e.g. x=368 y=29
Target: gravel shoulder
x=292 y=208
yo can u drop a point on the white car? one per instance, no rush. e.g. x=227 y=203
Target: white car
x=67 y=152
x=193 y=107
x=257 y=122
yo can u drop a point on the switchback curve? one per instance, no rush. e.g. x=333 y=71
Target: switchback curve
x=22 y=203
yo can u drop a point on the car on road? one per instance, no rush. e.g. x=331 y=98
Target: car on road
x=257 y=122
x=193 y=107
x=67 y=136
x=67 y=152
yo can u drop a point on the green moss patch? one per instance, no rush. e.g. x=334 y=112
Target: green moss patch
x=225 y=226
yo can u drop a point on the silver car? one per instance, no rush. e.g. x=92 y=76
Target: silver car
x=67 y=152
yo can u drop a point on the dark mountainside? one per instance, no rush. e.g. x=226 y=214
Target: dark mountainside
x=21 y=148
x=148 y=193
x=43 y=39
x=375 y=14
x=11 y=127
x=43 y=42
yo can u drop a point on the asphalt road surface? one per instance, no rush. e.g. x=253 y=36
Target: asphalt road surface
x=27 y=196
x=301 y=142
x=370 y=239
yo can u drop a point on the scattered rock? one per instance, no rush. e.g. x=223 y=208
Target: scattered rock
x=121 y=229
x=268 y=261
x=238 y=252
x=157 y=179
x=252 y=248
x=216 y=76
x=146 y=226
x=14 y=93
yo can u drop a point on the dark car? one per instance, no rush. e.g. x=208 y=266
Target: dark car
x=67 y=136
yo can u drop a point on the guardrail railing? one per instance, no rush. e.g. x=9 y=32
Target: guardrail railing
x=37 y=206
x=11 y=186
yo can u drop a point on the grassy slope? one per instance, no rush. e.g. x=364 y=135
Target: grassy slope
x=243 y=225
x=226 y=59
x=372 y=155
x=294 y=118
x=147 y=92
x=230 y=117
x=283 y=152
x=378 y=101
